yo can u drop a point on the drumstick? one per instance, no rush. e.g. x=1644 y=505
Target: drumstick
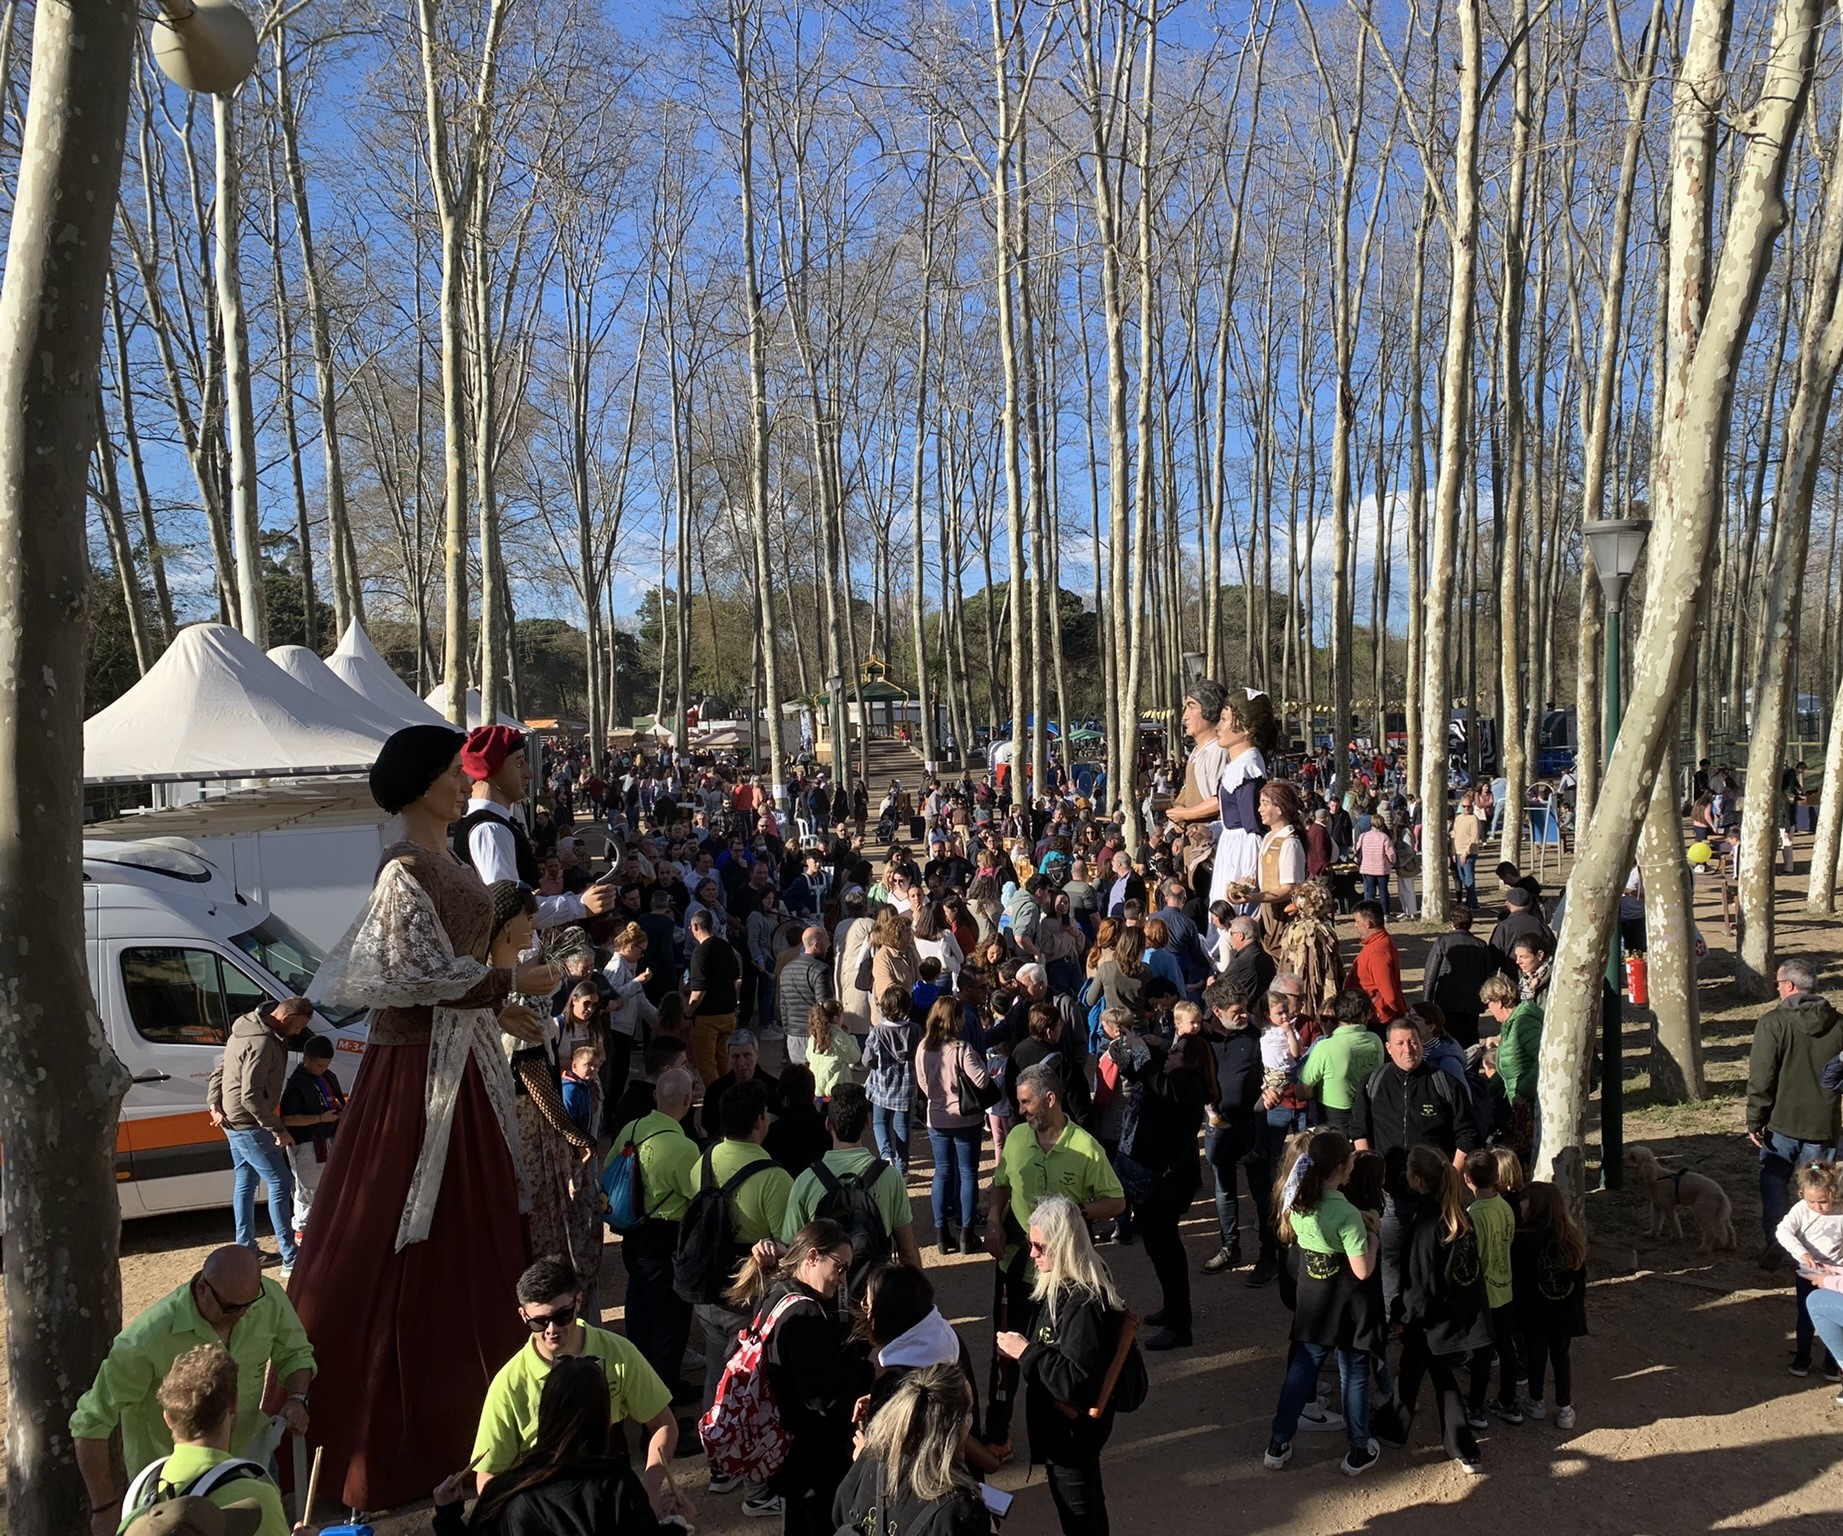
x=313 y=1487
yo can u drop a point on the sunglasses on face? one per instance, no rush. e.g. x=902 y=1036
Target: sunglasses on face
x=229 y=1308
x=1036 y=1247
x=537 y=1322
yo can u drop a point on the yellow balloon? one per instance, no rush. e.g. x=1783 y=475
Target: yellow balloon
x=1700 y=853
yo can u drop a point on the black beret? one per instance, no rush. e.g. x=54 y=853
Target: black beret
x=413 y=759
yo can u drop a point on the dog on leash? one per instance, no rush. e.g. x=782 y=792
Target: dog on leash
x=1671 y=1189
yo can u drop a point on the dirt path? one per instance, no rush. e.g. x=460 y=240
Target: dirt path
x=1688 y=1419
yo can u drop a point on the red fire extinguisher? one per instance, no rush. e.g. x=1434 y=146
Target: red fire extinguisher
x=1637 y=981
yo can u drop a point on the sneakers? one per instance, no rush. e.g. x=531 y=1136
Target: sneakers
x=1316 y=1418
x=1533 y=1409
x=771 y=1032
x=1476 y=1421
x=1265 y=1268
x=1508 y=1412
x=1279 y=1453
x=1472 y=1464
x=763 y=1504
x=1800 y=1366
x=1564 y=1418
x=285 y=1273
x=720 y=1484
x=266 y=1259
x=1830 y=1370
x=1221 y=1259
x=1360 y=1459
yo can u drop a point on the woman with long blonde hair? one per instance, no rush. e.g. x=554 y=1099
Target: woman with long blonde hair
x=910 y=1475
x=1064 y=1361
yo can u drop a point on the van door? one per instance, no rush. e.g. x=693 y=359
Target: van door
x=176 y=1017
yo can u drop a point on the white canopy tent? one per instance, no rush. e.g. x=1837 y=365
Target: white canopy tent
x=214 y=707
x=309 y=670
x=438 y=701
x=357 y=664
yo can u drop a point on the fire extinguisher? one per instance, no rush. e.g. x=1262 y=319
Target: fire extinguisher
x=1637 y=981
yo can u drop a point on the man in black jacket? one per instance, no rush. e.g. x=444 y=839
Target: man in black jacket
x=1251 y=969
x=1407 y=1103
x=1457 y=966
x=1229 y=1137
x=806 y=979
x=1521 y=917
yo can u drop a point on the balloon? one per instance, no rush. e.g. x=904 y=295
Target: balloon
x=1700 y=853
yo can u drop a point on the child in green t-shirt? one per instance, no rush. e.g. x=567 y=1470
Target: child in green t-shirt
x=1494 y=1223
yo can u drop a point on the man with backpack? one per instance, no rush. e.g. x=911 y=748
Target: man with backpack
x=198 y=1400
x=658 y=1318
x=851 y=1185
x=736 y=1198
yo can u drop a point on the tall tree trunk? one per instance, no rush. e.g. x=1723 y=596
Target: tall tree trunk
x=115 y=529
x=63 y=1085
x=924 y=339
x=1712 y=304
x=1670 y=939
x=245 y=517
x=131 y=437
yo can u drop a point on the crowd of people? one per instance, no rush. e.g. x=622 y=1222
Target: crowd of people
x=555 y=1054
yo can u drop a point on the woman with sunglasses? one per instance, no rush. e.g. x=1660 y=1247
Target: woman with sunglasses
x=817 y=1371
x=1064 y=1360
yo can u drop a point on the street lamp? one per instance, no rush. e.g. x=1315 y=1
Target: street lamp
x=1193 y=667
x=204 y=45
x=1616 y=544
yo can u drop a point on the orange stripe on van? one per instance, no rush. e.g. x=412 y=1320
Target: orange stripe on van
x=159 y=1131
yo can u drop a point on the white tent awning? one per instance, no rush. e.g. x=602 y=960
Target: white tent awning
x=215 y=707
x=438 y=701
x=357 y=664
x=309 y=670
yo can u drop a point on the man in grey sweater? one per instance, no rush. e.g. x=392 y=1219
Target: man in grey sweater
x=244 y=1097
x=806 y=979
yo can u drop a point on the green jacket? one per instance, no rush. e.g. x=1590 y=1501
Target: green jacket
x=1518 y=1048
x=1791 y=1047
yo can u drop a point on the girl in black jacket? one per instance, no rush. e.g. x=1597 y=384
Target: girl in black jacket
x=574 y=1481
x=817 y=1372
x=1445 y=1315
x=909 y=1477
x=1064 y=1360
x=1158 y=1161
x=1548 y=1277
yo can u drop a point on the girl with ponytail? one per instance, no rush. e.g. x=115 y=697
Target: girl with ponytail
x=1338 y=1251
x=1445 y=1315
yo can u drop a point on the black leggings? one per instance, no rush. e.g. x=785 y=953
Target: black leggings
x=1502 y=1350
x=1075 y=1488
x=1550 y=1345
x=1417 y=1361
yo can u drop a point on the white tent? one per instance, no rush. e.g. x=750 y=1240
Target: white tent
x=356 y=663
x=308 y=669
x=438 y=701
x=215 y=707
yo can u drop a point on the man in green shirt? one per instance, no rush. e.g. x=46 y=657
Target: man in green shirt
x=227 y=1302
x=198 y=1402
x=848 y=1116
x=757 y=1208
x=549 y=1301
x=1045 y=1154
x=1336 y=1069
x=658 y=1318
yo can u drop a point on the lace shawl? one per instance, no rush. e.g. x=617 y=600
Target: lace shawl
x=398 y=955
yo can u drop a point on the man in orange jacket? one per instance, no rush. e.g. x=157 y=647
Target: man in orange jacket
x=1377 y=970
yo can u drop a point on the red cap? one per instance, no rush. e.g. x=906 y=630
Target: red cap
x=488 y=747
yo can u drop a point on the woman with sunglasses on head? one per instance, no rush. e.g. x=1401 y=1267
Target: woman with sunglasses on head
x=816 y=1370
x=1064 y=1360
x=574 y=1476
x=511 y=1419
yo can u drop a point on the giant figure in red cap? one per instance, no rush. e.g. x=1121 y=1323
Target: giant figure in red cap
x=417 y=1239
x=490 y=837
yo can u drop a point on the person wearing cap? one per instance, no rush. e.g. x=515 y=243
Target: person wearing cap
x=491 y=839
x=1522 y=919
x=198 y=1400
x=227 y=1303
x=418 y=1235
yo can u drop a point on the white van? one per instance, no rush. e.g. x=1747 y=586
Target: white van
x=175 y=954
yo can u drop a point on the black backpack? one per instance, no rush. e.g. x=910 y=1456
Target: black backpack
x=850 y=1202
x=707 y=1253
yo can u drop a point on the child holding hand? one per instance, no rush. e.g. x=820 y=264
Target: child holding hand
x=1812 y=1233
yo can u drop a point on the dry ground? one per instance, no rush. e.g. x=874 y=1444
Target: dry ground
x=1688 y=1422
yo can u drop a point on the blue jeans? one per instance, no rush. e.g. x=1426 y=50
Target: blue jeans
x=891 y=1129
x=956 y=1161
x=1826 y=1313
x=1779 y=1159
x=258 y=1159
x=1301 y=1386
x=1376 y=889
x=1467 y=869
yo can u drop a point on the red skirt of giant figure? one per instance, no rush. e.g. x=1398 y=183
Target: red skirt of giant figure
x=406 y=1340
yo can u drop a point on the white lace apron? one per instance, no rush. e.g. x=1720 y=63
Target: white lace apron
x=397 y=955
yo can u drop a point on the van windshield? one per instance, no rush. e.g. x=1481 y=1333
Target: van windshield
x=292 y=959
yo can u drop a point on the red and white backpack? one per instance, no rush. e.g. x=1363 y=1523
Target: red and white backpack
x=742 y=1433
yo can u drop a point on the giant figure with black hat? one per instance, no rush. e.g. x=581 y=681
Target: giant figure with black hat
x=492 y=839
x=419 y=1229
